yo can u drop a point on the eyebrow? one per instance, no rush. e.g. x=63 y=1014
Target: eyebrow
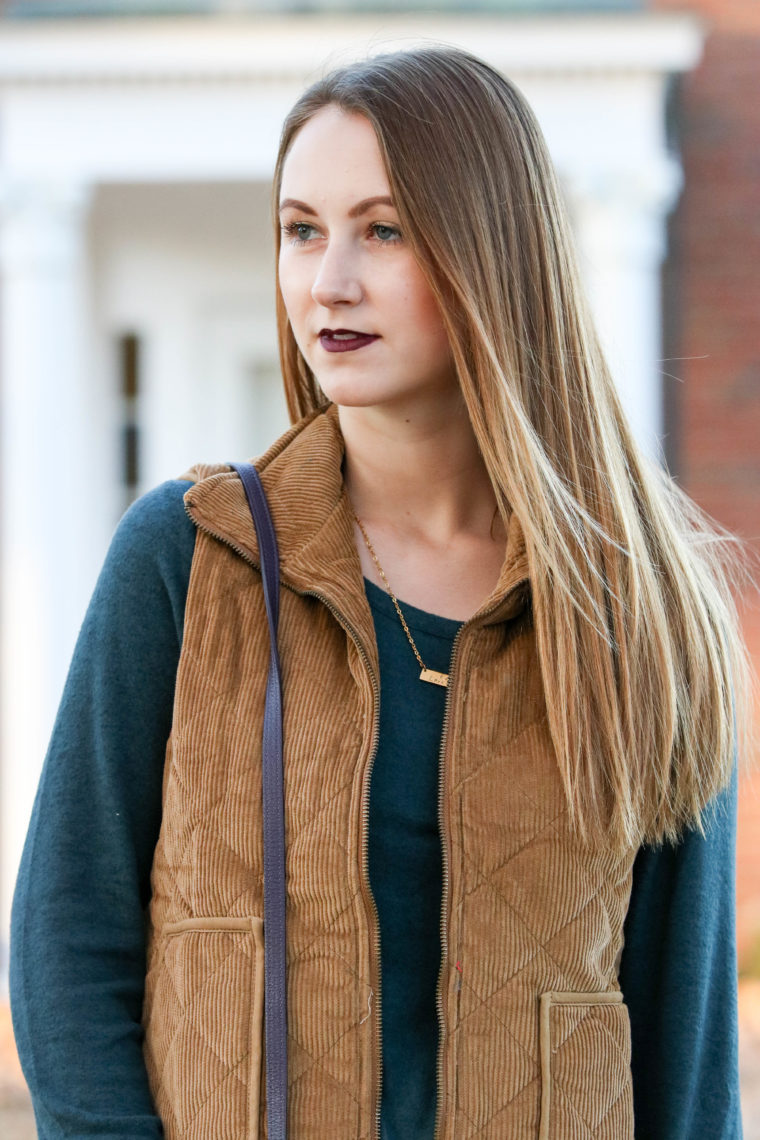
x=354 y=212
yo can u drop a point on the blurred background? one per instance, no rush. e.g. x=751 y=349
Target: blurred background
x=137 y=334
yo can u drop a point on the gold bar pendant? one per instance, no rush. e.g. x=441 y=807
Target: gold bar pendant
x=434 y=678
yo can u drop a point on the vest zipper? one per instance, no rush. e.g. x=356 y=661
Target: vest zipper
x=437 y=1133
x=375 y=988
x=444 y=891
x=376 y=981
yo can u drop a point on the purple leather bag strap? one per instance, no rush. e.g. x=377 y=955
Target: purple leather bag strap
x=275 y=980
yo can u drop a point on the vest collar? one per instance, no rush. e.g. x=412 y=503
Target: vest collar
x=302 y=477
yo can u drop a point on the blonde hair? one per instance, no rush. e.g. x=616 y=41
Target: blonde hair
x=643 y=663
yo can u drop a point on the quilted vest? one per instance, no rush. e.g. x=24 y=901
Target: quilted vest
x=534 y=1034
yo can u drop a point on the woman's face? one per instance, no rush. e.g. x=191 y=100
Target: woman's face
x=344 y=265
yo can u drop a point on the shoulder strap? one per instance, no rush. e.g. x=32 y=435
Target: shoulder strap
x=275 y=981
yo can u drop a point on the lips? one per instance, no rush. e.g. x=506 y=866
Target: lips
x=345 y=340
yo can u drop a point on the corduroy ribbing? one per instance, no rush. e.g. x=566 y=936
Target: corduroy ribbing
x=529 y=910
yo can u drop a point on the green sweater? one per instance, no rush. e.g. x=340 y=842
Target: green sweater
x=77 y=945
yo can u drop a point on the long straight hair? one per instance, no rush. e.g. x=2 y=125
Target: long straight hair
x=648 y=682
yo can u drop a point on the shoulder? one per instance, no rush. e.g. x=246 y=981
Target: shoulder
x=159 y=512
x=147 y=566
x=155 y=528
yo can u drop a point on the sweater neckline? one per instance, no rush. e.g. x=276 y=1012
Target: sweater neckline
x=420 y=620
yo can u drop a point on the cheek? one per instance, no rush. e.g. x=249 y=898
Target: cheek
x=293 y=286
x=422 y=311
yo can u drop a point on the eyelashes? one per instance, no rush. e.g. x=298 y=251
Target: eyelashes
x=291 y=230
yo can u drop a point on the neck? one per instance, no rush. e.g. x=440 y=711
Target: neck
x=418 y=471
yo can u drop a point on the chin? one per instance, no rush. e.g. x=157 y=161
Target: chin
x=356 y=393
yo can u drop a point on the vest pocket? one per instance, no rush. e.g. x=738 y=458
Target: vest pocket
x=586 y=1087
x=204 y=1036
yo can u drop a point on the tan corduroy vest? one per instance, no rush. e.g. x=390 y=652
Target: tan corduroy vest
x=535 y=1038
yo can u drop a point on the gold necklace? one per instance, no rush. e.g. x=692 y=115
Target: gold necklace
x=430 y=675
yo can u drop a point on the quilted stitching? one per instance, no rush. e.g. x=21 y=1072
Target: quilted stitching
x=590 y=1041
x=530 y=910
x=205 y=974
x=208 y=862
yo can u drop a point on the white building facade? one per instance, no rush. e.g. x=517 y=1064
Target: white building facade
x=137 y=328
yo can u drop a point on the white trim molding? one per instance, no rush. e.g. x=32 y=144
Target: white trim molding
x=265 y=47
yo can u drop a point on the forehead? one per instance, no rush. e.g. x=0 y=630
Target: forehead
x=334 y=153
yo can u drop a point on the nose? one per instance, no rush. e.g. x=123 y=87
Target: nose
x=337 y=281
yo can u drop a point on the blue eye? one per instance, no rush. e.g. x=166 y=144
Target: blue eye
x=388 y=229
x=292 y=230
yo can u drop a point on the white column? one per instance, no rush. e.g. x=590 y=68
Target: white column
x=43 y=349
x=621 y=230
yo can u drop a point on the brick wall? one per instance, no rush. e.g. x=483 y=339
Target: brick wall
x=712 y=320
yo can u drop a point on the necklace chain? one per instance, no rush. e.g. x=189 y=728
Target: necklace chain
x=431 y=675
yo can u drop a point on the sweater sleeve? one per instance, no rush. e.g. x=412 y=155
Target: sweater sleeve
x=78 y=920
x=679 y=979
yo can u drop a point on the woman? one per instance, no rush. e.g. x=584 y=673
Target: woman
x=498 y=617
